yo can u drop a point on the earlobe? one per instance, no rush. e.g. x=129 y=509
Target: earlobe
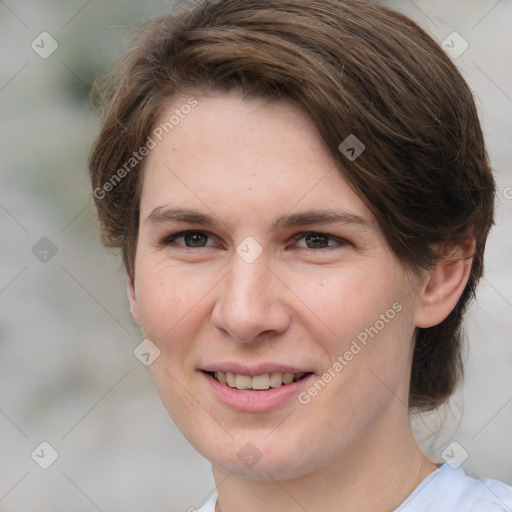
x=134 y=307
x=444 y=285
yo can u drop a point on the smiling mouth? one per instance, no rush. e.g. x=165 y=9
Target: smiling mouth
x=257 y=382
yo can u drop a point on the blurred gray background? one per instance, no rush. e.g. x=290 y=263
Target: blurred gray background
x=67 y=369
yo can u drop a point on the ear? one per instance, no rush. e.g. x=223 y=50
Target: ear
x=444 y=285
x=134 y=307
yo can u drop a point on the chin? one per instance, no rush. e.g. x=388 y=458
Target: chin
x=260 y=458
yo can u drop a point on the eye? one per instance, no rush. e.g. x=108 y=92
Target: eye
x=190 y=239
x=318 y=241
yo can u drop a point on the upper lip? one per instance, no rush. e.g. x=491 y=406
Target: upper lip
x=257 y=369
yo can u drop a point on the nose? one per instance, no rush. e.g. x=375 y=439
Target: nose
x=250 y=305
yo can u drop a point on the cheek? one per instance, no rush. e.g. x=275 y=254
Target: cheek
x=341 y=304
x=174 y=309
x=172 y=305
x=364 y=326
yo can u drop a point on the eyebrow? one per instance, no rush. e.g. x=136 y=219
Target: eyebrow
x=190 y=216
x=319 y=217
x=160 y=215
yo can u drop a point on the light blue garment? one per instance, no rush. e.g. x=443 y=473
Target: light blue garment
x=450 y=490
x=209 y=506
x=446 y=490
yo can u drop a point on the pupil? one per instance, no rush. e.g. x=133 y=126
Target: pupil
x=195 y=239
x=316 y=241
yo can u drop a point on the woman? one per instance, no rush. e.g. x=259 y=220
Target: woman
x=301 y=195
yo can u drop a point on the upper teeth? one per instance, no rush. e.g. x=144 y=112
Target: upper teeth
x=260 y=382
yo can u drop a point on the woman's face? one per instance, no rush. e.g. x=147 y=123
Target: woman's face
x=257 y=264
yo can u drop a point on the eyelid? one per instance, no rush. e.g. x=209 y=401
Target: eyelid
x=168 y=239
x=340 y=240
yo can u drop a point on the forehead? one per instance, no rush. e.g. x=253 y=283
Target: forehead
x=244 y=155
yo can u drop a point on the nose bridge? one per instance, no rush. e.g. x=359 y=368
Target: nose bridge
x=247 y=287
x=250 y=303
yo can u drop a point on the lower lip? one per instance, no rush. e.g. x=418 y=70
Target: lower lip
x=255 y=401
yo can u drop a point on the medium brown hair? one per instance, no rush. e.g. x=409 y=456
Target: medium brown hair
x=354 y=68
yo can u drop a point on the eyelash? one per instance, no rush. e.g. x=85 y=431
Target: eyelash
x=299 y=236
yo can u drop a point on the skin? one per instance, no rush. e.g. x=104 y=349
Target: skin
x=247 y=163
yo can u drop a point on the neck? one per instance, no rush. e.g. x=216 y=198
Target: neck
x=378 y=474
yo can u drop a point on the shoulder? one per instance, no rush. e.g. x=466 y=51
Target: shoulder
x=450 y=489
x=445 y=490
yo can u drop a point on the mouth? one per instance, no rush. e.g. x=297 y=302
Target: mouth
x=261 y=382
x=257 y=389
